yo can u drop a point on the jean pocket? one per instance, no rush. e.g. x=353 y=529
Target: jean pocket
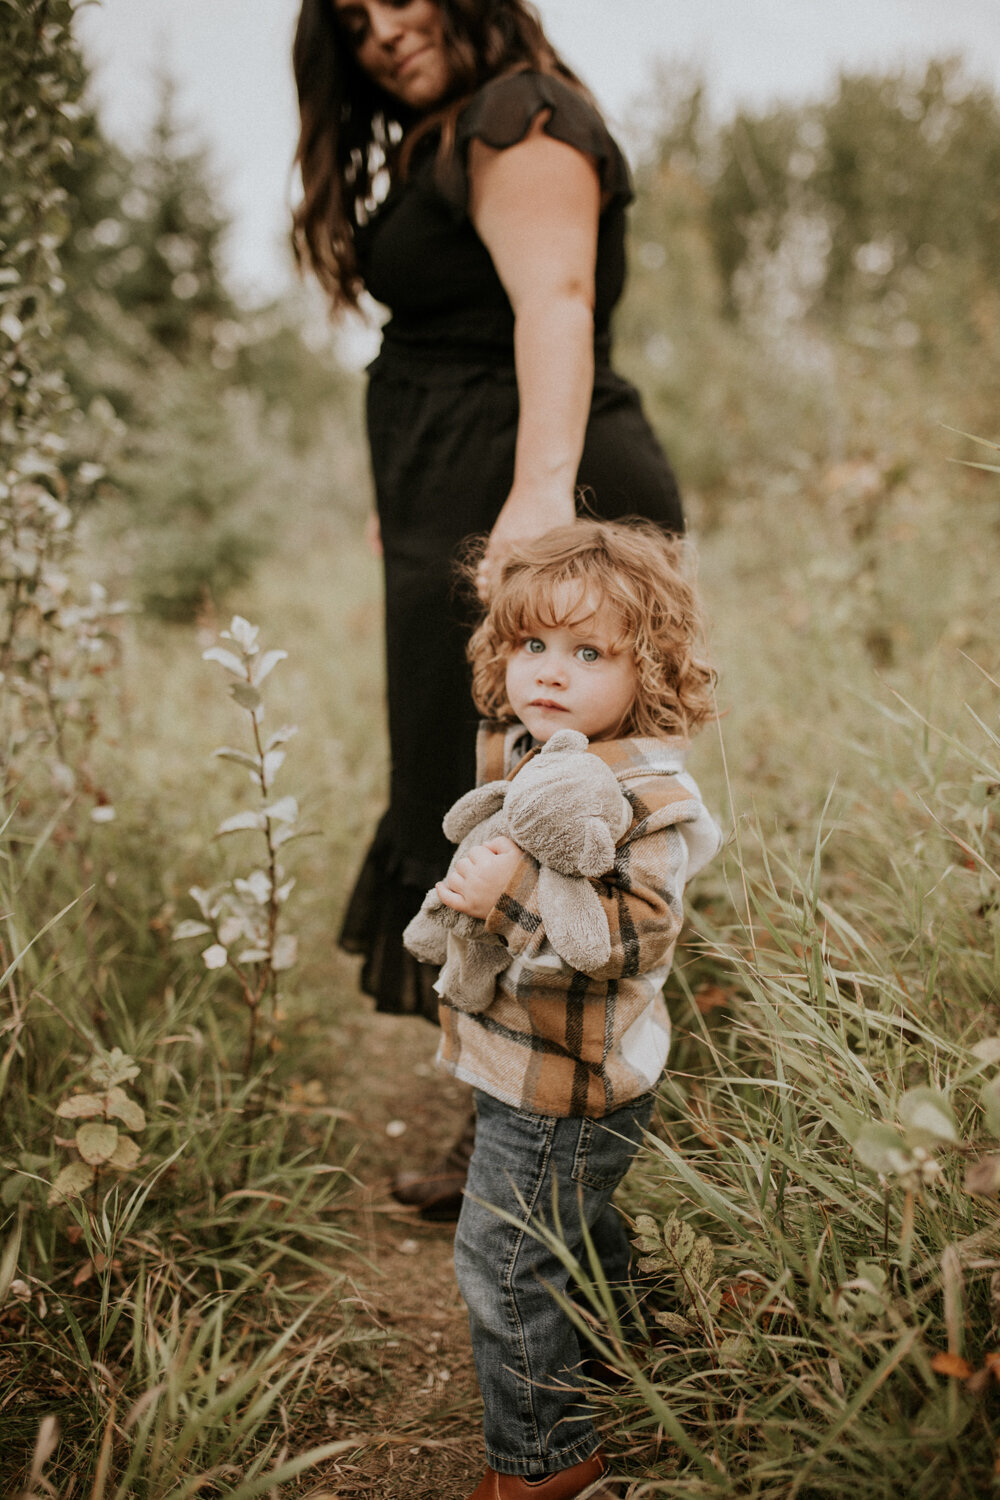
x=605 y=1148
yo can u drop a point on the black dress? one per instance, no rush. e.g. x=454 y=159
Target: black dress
x=442 y=425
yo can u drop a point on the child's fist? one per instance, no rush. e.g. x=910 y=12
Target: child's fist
x=475 y=882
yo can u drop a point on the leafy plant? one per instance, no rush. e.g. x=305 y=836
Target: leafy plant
x=242 y=915
x=675 y=1253
x=55 y=642
x=102 y=1144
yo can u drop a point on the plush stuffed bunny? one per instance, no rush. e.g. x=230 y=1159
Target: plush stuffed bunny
x=565 y=809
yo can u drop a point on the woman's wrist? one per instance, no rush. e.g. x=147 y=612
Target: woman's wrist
x=532 y=508
x=528 y=512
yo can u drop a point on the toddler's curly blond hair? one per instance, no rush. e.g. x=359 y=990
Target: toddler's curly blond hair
x=643 y=576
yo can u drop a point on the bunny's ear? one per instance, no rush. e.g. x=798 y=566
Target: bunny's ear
x=473 y=808
x=563 y=740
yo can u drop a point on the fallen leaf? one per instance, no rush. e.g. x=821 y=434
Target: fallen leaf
x=952 y=1364
x=712 y=997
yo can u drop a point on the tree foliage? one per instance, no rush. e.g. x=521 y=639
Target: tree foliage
x=874 y=196
x=52 y=640
x=201 y=392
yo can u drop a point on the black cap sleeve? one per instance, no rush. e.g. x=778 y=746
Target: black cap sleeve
x=501 y=115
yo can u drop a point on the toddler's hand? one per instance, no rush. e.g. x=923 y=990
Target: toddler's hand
x=479 y=877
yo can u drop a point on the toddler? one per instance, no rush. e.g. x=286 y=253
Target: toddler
x=592 y=627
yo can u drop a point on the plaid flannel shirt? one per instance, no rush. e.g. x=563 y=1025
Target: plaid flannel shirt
x=558 y=1042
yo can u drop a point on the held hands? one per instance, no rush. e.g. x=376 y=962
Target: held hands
x=524 y=516
x=478 y=879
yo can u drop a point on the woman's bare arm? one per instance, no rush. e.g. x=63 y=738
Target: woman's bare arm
x=536 y=206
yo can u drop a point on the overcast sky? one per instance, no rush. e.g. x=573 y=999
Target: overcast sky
x=229 y=59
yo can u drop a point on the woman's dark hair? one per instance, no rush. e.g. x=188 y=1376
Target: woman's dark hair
x=351 y=130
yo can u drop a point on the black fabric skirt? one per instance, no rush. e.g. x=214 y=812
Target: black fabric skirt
x=442 y=447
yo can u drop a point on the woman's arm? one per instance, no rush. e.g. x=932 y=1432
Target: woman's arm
x=536 y=207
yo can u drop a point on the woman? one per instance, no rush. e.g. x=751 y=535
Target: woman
x=455 y=169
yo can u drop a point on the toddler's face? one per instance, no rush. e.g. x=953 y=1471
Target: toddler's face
x=572 y=676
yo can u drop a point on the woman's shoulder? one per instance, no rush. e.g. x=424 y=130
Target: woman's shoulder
x=503 y=111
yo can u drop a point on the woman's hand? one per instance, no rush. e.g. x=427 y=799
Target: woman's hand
x=524 y=515
x=373 y=534
x=480 y=877
x=536 y=207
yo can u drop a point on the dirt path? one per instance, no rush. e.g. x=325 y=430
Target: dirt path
x=412 y=1399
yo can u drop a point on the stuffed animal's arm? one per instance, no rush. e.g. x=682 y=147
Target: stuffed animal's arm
x=641 y=899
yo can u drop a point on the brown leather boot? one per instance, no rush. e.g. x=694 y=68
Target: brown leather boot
x=584 y=1481
x=437 y=1192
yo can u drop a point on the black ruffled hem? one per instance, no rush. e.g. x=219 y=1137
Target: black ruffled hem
x=501 y=115
x=379 y=908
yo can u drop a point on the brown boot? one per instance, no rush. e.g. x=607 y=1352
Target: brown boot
x=437 y=1193
x=584 y=1481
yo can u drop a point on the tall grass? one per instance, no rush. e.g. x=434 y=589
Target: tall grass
x=828 y=1127
x=175 y=1260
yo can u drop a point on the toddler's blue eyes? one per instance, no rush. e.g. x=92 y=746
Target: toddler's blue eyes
x=589 y=653
x=534 y=646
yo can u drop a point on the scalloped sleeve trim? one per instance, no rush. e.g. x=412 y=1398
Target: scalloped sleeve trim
x=501 y=115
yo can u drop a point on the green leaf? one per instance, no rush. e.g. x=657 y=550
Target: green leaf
x=241 y=822
x=679 y=1238
x=96 y=1143
x=14 y=1188
x=109 y=1068
x=648 y=1245
x=80 y=1107
x=31 y=1161
x=286 y=952
x=289 y=833
x=73 y=1180
x=252 y=956
x=243 y=633
x=927 y=1117
x=265 y=665
x=225 y=658
x=273 y=762
x=873 y=1273
x=240 y=757
x=246 y=696
x=232 y=929
x=281 y=736
x=674 y=1323
x=285 y=810
x=257 y=886
x=701 y=1262
x=989 y=1098
x=125 y=1154
x=121 y=1107
x=190 y=929
x=882 y=1148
